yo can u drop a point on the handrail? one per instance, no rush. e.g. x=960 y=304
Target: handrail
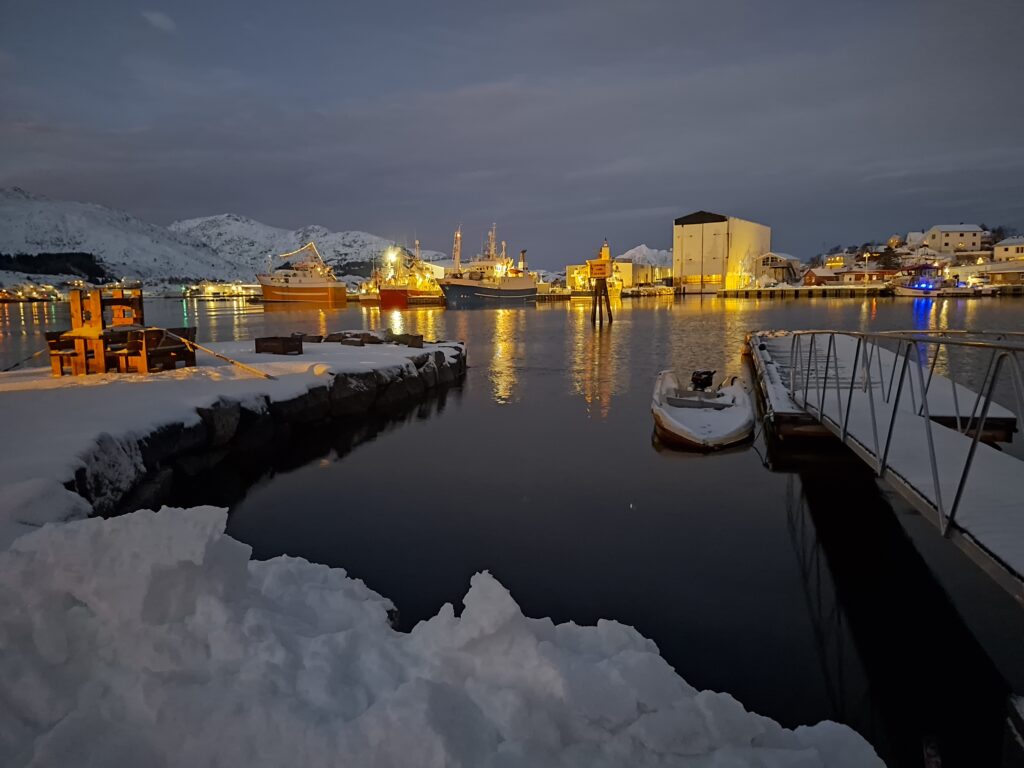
x=904 y=389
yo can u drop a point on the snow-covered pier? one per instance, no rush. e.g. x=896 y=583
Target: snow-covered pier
x=77 y=445
x=894 y=400
x=918 y=429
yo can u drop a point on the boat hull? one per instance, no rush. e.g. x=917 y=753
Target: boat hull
x=903 y=290
x=698 y=428
x=465 y=295
x=317 y=293
x=399 y=298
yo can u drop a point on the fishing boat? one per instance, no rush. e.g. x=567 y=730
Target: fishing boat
x=304 y=276
x=701 y=418
x=925 y=280
x=492 y=279
x=406 y=280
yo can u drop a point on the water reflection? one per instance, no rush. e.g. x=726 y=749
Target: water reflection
x=875 y=621
x=599 y=360
x=509 y=352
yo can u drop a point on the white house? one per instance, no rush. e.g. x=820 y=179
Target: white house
x=1010 y=249
x=914 y=240
x=950 y=238
x=711 y=251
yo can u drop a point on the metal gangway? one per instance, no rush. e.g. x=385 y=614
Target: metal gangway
x=925 y=409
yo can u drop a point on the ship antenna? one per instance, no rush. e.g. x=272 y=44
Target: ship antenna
x=457 y=249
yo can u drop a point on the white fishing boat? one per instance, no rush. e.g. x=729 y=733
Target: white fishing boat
x=701 y=418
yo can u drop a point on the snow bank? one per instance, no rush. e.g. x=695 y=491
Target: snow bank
x=152 y=639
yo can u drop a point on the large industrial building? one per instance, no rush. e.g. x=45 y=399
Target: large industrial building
x=711 y=251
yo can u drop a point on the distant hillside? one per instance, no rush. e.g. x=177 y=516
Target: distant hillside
x=37 y=233
x=255 y=245
x=641 y=254
x=122 y=244
x=83 y=265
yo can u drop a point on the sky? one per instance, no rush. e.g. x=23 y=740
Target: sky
x=563 y=121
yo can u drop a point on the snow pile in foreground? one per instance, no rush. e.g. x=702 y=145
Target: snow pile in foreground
x=152 y=639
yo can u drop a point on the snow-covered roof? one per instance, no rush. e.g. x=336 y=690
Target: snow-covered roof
x=821 y=272
x=957 y=228
x=1011 y=241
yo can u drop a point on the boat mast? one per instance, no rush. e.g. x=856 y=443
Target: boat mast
x=418 y=249
x=457 y=248
x=522 y=260
x=492 y=246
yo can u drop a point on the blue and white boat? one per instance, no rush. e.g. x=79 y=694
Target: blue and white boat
x=919 y=281
x=491 y=280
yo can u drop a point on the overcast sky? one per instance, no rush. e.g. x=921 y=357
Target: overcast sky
x=565 y=122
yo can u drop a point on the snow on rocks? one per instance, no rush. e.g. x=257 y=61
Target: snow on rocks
x=152 y=639
x=84 y=441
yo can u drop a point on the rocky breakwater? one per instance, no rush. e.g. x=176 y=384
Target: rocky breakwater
x=90 y=443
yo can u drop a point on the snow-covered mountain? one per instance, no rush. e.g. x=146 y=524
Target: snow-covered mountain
x=255 y=245
x=125 y=246
x=641 y=254
x=225 y=247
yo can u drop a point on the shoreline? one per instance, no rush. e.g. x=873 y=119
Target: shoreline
x=86 y=442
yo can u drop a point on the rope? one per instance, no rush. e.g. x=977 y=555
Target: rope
x=193 y=346
x=22 y=362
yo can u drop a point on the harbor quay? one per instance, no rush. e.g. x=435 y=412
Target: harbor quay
x=86 y=441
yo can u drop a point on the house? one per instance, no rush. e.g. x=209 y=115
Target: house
x=839 y=260
x=869 y=273
x=819 y=276
x=777 y=268
x=914 y=240
x=711 y=251
x=950 y=238
x=1010 y=249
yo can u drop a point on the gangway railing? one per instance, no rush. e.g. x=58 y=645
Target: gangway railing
x=879 y=390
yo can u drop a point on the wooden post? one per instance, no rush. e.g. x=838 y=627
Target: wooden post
x=599 y=301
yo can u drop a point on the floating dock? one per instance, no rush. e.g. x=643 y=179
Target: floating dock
x=914 y=427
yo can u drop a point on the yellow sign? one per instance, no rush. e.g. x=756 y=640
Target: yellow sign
x=600 y=267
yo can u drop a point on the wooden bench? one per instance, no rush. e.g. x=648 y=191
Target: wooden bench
x=62 y=352
x=153 y=349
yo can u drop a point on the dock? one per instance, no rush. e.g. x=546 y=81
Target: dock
x=894 y=400
x=805 y=292
x=927 y=435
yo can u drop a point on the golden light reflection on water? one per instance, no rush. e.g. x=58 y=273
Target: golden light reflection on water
x=509 y=353
x=597 y=368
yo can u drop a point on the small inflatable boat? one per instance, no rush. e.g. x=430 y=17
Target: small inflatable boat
x=701 y=418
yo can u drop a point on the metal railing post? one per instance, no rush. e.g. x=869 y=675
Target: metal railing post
x=928 y=434
x=853 y=379
x=969 y=461
x=892 y=419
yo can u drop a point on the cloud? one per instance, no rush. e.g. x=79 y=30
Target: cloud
x=160 y=20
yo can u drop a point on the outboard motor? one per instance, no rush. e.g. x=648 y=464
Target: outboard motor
x=701 y=380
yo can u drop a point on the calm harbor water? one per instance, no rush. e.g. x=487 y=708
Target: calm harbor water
x=793 y=588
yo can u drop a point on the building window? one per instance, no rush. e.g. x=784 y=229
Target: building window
x=945 y=245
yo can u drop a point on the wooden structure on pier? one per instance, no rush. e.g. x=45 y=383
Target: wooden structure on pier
x=109 y=333
x=600 y=270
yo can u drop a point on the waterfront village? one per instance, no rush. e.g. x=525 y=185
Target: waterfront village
x=711 y=253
